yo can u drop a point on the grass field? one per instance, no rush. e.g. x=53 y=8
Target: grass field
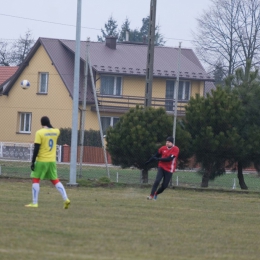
x=119 y=223
x=132 y=176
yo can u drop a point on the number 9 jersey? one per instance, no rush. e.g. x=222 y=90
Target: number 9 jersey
x=47 y=138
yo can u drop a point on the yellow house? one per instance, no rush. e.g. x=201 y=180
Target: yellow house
x=119 y=75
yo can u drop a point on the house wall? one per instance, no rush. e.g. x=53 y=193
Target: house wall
x=133 y=88
x=197 y=87
x=57 y=104
x=91 y=121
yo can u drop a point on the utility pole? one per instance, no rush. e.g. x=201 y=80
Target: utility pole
x=176 y=93
x=74 y=134
x=150 y=55
x=98 y=114
x=83 y=112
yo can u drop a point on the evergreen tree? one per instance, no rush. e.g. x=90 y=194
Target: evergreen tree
x=137 y=135
x=219 y=75
x=124 y=28
x=136 y=35
x=246 y=85
x=212 y=123
x=144 y=32
x=110 y=29
x=225 y=127
x=183 y=141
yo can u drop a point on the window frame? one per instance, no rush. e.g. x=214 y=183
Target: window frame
x=184 y=86
x=46 y=87
x=111 y=123
x=115 y=85
x=23 y=122
x=184 y=90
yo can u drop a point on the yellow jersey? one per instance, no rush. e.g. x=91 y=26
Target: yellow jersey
x=47 y=138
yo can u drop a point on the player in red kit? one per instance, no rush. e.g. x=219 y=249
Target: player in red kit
x=167 y=157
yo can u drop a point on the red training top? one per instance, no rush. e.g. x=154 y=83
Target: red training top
x=164 y=151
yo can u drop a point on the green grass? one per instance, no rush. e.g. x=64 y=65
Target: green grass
x=119 y=223
x=132 y=176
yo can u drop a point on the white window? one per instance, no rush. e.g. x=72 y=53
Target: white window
x=43 y=82
x=184 y=90
x=25 y=122
x=107 y=122
x=183 y=93
x=111 y=85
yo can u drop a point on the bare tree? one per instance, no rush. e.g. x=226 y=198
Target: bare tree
x=247 y=29
x=4 y=54
x=21 y=48
x=228 y=34
x=14 y=54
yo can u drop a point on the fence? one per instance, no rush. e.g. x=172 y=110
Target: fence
x=16 y=157
x=22 y=151
x=93 y=155
x=186 y=179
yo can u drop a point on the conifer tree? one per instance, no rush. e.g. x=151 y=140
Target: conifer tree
x=110 y=30
x=212 y=123
x=136 y=136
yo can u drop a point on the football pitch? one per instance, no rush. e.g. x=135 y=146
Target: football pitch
x=119 y=223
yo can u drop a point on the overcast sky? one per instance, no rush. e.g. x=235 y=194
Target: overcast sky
x=57 y=18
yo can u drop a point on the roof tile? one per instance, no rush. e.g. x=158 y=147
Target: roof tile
x=6 y=72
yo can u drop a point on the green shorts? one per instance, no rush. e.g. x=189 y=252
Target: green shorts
x=45 y=171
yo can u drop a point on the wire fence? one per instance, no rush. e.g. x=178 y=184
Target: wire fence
x=181 y=178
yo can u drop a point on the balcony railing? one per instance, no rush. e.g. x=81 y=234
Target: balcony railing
x=122 y=104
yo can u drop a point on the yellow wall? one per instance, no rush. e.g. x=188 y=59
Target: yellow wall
x=91 y=121
x=135 y=87
x=57 y=104
x=197 y=87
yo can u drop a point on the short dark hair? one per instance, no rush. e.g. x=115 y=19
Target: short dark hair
x=45 y=121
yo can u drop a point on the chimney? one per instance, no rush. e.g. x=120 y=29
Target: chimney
x=127 y=36
x=111 y=42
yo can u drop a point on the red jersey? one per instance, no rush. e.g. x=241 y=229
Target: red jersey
x=165 y=152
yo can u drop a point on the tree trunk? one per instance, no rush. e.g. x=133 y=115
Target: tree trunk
x=240 y=176
x=144 y=176
x=257 y=167
x=205 y=179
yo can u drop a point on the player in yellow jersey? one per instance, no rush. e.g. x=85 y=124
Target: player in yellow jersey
x=44 y=162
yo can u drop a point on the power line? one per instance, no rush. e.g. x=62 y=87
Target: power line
x=63 y=24
x=42 y=21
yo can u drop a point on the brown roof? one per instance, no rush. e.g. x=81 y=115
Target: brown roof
x=126 y=59
x=6 y=72
x=131 y=59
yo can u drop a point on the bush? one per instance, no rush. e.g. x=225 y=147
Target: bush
x=91 y=137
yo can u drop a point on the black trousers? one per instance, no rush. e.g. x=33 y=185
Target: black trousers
x=161 y=174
